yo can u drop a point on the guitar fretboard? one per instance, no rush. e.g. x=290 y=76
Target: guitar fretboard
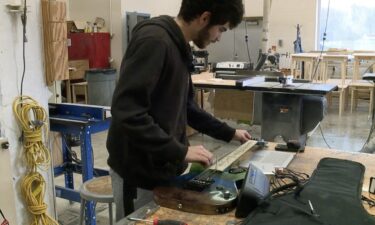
x=226 y=161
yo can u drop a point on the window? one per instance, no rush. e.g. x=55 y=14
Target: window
x=350 y=24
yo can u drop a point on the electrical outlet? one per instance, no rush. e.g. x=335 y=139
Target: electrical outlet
x=4 y=144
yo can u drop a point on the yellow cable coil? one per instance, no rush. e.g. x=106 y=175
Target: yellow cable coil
x=33 y=119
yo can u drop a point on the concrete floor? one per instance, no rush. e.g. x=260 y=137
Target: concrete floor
x=347 y=133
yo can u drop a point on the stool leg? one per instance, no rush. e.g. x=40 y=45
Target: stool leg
x=110 y=214
x=82 y=211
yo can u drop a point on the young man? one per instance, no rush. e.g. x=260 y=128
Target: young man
x=153 y=101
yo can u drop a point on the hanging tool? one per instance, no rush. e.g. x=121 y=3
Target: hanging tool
x=158 y=222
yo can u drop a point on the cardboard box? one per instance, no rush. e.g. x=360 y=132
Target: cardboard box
x=190 y=131
x=77 y=68
x=234 y=105
x=76 y=26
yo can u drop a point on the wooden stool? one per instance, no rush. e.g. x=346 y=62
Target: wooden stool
x=342 y=83
x=309 y=59
x=359 y=85
x=98 y=189
x=364 y=86
x=74 y=91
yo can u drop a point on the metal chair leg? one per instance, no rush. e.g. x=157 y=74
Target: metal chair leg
x=82 y=211
x=110 y=214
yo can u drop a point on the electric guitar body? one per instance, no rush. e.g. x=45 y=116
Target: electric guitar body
x=210 y=192
x=216 y=196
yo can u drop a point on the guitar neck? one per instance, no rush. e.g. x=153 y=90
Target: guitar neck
x=227 y=160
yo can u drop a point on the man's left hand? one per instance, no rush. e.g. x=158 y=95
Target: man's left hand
x=241 y=136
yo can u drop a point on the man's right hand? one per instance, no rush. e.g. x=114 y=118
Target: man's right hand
x=199 y=154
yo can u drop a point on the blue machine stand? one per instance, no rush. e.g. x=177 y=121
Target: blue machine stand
x=79 y=121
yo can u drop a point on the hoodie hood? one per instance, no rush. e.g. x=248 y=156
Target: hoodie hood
x=174 y=31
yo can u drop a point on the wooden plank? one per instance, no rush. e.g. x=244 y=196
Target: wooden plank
x=46 y=40
x=234 y=104
x=79 y=68
x=55 y=41
x=60 y=60
x=57 y=10
x=58 y=32
x=234 y=155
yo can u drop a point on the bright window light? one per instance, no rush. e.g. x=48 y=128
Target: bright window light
x=350 y=24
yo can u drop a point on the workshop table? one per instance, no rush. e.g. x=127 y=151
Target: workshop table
x=303 y=162
x=80 y=121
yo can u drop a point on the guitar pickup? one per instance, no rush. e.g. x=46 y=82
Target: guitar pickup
x=199 y=184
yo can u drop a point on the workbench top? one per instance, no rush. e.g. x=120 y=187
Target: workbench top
x=303 y=162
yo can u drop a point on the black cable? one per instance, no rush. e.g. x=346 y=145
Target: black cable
x=281 y=184
x=24 y=21
x=234 y=45
x=324 y=138
x=324 y=40
x=371 y=130
x=372 y=117
x=370 y=202
x=247 y=43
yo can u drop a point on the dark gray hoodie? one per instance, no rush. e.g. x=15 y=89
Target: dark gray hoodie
x=152 y=104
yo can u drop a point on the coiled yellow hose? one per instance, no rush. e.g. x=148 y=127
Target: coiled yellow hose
x=33 y=120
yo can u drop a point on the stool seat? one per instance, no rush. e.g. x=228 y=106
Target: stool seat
x=98 y=189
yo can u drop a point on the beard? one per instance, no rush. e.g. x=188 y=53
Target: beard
x=203 y=38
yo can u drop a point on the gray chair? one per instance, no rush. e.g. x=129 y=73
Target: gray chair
x=98 y=189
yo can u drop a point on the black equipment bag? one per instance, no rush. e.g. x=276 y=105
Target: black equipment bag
x=334 y=191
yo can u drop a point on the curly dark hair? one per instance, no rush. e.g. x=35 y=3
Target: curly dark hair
x=222 y=11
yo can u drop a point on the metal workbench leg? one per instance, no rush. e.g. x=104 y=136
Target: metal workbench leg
x=87 y=171
x=68 y=174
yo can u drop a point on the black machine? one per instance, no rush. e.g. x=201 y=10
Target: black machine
x=200 y=60
x=241 y=70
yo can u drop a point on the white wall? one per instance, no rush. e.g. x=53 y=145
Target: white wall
x=284 y=17
x=155 y=8
x=253 y=8
x=34 y=85
x=88 y=10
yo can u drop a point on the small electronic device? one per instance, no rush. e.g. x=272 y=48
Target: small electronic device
x=255 y=188
x=231 y=66
x=372 y=185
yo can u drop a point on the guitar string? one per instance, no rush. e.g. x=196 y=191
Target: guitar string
x=204 y=175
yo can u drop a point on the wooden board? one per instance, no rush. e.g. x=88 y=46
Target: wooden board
x=55 y=41
x=234 y=104
x=79 y=68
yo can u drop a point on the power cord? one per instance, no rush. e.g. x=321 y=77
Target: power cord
x=247 y=43
x=235 y=56
x=33 y=120
x=286 y=181
x=324 y=138
x=24 y=38
x=324 y=40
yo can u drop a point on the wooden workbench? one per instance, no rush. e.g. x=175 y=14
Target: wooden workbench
x=303 y=162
